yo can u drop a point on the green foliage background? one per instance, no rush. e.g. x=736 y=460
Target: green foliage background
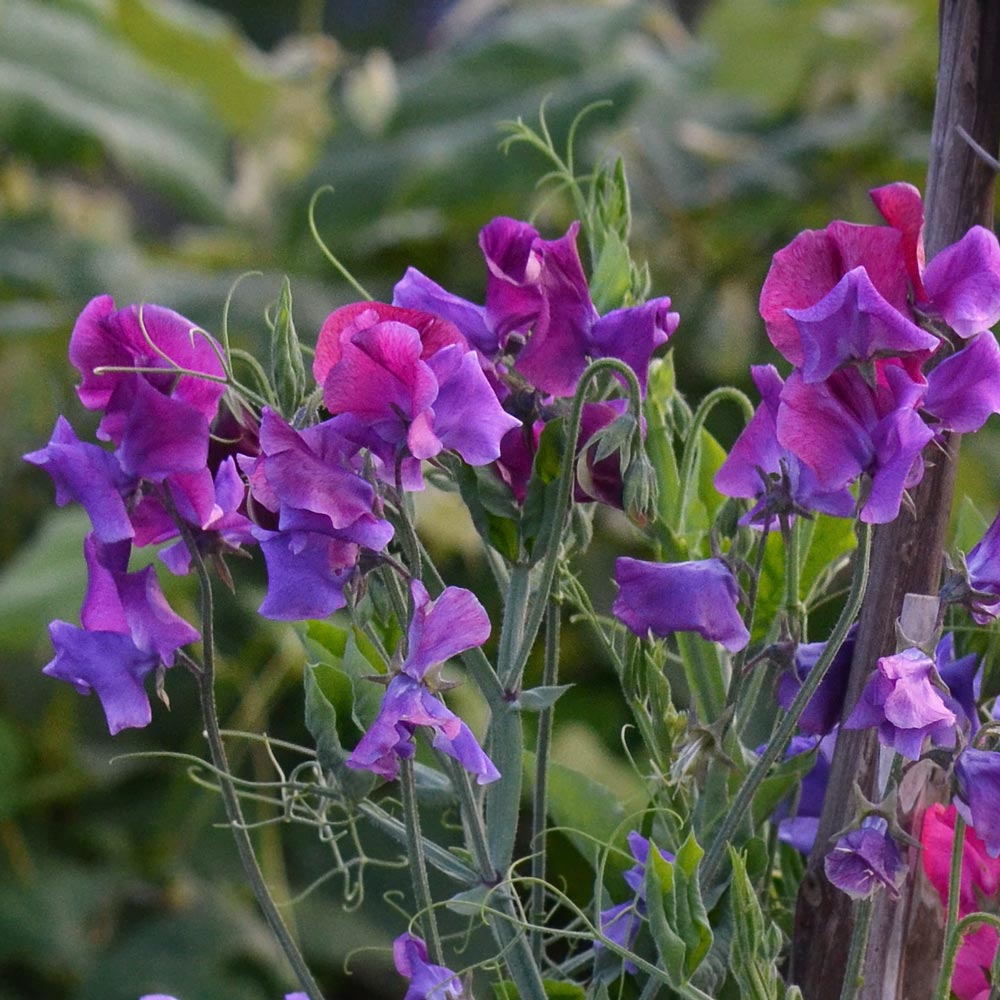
x=154 y=151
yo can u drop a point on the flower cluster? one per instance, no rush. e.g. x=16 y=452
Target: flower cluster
x=852 y=308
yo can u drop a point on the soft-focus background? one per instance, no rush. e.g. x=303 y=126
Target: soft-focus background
x=158 y=149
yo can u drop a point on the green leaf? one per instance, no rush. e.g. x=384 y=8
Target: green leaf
x=610 y=281
x=506 y=990
x=539 y=698
x=677 y=915
x=970 y=525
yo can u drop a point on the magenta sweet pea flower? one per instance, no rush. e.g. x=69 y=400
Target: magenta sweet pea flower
x=866 y=860
x=978 y=801
x=427 y=980
x=980 y=872
x=128 y=631
x=790 y=483
x=412 y=380
x=663 y=598
x=439 y=630
x=158 y=419
x=843 y=427
x=903 y=704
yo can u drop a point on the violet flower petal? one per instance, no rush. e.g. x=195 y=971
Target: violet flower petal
x=963 y=283
x=964 y=389
x=978 y=799
x=443 y=628
x=678 y=597
x=866 y=860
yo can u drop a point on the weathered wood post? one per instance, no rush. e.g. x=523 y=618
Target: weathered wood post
x=906 y=938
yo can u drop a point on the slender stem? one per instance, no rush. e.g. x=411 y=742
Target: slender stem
x=736 y=677
x=793 y=601
x=512 y=631
x=952 y=936
x=692 y=444
x=779 y=741
x=418 y=865
x=230 y=799
x=539 y=806
x=854 y=974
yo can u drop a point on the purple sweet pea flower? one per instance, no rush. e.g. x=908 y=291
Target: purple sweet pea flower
x=978 y=799
x=679 y=597
x=128 y=631
x=866 y=860
x=822 y=712
x=427 y=981
x=842 y=427
x=798 y=828
x=964 y=389
x=963 y=283
x=621 y=923
x=757 y=450
x=89 y=475
x=983 y=564
x=439 y=630
x=902 y=702
x=157 y=418
x=964 y=678
x=412 y=379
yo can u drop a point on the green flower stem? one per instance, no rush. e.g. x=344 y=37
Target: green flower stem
x=783 y=733
x=739 y=663
x=952 y=933
x=794 y=610
x=512 y=631
x=854 y=974
x=539 y=805
x=692 y=445
x=230 y=799
x=418 y=865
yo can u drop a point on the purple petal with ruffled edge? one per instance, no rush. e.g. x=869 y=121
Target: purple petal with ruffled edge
x=108 y=663
x=443 y=628
x=963 y=677
x=824 y=708
x=427 y=981
x=513 y=254
x=983 y=564
x=557 y=349
x=633 y=334
x=161 y=435
x=678 y=597
x=964 y=389
x=306 y=573
x=963 y=283
x=467 y=416
x=407 y=704
x=902 y=703
x=866 y=860
x=810 y=266
x=104 y=337
x=416 y=291
x=978 y=799
x=853 y=323
x=89 y=475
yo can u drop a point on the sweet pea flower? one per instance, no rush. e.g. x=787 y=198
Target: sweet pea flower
x=866 y=860
x=412 y=380
x=978 y=801
x=983 y=565
x=823 y=711
x=89 y=475
x=621 y=923
x=427 y=980
x=128 y=631
x=757 y=450
x=902 y=703
x=964 y=389
x=980 y=872
x=964 y=678
x=663 y=598
x=439 y=630
x=798 y=827
x=158 y=379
